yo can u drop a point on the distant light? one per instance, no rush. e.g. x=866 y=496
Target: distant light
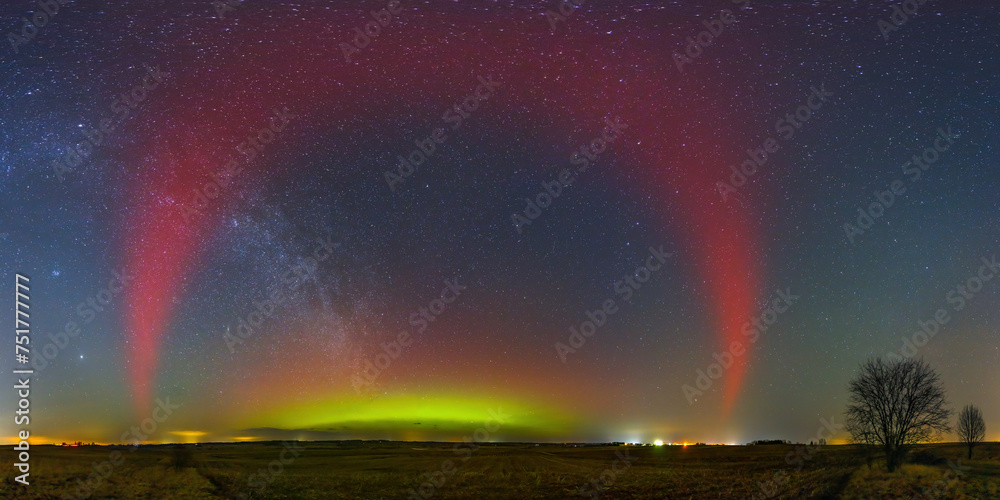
x=189 y=436
x=658 y=442
x=189 y=433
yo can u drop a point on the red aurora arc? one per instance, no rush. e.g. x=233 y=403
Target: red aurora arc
x=554 y=82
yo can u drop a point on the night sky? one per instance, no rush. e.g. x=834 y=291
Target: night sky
x=295 y=230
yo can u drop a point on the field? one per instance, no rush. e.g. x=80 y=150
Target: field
x=321 y=470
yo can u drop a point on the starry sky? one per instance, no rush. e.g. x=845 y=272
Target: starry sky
x=289 y=228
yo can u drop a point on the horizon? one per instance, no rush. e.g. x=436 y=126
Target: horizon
x=552 y=443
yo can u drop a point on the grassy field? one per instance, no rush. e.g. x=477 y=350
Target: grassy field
x=437 y=470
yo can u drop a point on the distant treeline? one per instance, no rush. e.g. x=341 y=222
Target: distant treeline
x=769 y=441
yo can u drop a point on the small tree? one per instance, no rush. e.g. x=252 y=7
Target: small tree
x=895 y=404
x=971 y=427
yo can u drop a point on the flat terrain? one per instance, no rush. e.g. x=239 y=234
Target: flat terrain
x=388 y=470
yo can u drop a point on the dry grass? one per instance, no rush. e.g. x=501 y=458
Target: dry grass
x=388 y=470
x=945 y=473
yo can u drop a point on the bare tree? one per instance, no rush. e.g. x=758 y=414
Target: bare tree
x=971 y=427
x=894 y=405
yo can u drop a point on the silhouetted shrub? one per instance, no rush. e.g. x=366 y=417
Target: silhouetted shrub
x=181 y=456
x=925 y=457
